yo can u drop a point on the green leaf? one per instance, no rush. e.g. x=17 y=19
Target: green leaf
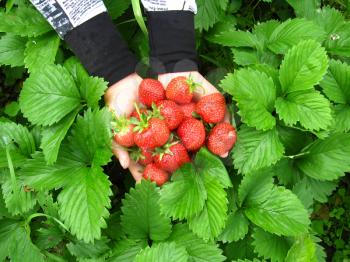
x=263 y=31
x=20 y=135
x=41 y=51
x=197 y=249
x=209 y=223
x=341 y=118
x=39 y=176
x=245 y=56
x=52 y=137
x=84 y=202
x=255 y=94
x=161 y=252
x=185 y=196
x=311 y=109
x=294 y=140
x=303 y=67
x=306 y=8
x=116 y=8
x=24 y=21
x=335 y=84
x=209 y=12
x=48 y=236
x=16 y=244
x=256 y=149
x=42 y=90
x=303 y=250
x=255 y=186
x=338 y=43
x=142 y=204
x=80 y=249
x=236 y=227
x=91 y=90
x=17 y=200
x=327 y=159
x=329 y=19
x=241 y=249
x=12 y=50
x=280 y=213
x=291 y=32
x=270 y=246
x=12 y=109
x=90 y=139
x=126 y=250
x=235 y=38
x=301 y=190
x=208 y=164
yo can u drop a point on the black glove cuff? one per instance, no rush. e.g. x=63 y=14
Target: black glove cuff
x=172 y=41
x=101 y=49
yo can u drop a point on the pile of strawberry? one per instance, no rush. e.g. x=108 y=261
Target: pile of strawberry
x=168 y=127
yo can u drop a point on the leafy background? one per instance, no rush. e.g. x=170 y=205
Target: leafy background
x=282 y=195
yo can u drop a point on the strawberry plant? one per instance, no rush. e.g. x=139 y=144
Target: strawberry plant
x=285 y=67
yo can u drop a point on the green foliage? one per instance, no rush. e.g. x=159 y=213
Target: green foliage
x=280 y=196
x=142 y=205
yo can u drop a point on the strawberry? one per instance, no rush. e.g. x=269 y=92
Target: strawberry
x=160 y=130
x=153 y=173
x=192 y=134
x=151 y=91
x=188 y=109
x=123 y=132
x=180 y=90
x=212 y=108
x=171 y=112
x=221 y=138
x=172 y=158
x=142 y=111
x=142 y=155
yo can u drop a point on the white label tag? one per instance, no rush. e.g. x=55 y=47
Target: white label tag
x=79 y=11
x=168 y=5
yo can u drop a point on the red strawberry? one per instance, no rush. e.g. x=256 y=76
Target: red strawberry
x=192 y=134
x=188 y=109
x=153 y=173
x=221 y=138
x=152 y=133
x=123 y=132
x=171 y=112
x=180 y=90
x=212 y=108
x=160 y=130
x=172 y=158
x=142 y=111
x=143 y=156
x=151 y=91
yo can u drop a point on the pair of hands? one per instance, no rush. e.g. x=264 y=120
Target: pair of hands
x=121 y=96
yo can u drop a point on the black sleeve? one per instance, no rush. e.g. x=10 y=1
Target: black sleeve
x=91 y=34
x=172 y=41
x=101 y=49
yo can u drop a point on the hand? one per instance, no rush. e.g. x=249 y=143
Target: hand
x=120 y=99
x=206 y=88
